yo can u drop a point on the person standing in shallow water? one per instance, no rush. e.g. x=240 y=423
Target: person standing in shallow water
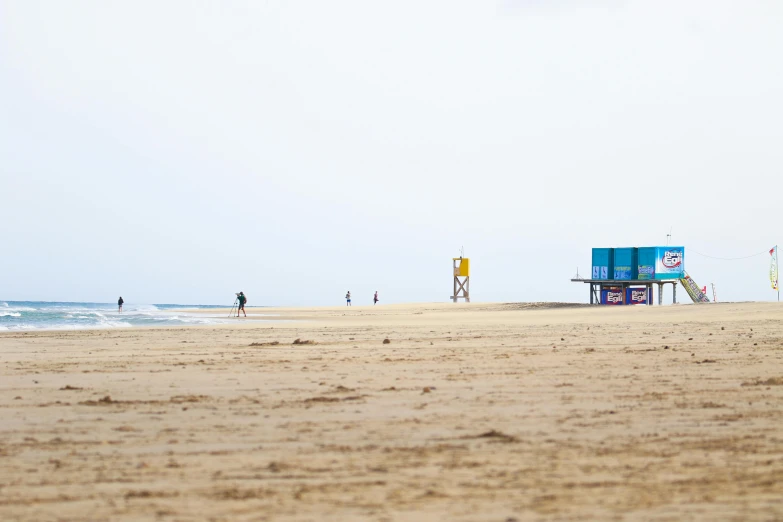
x=348 y=298
x=119 y=304
x=375 y=297
x=242 y=300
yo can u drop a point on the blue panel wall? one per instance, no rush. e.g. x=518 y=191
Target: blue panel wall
x=626 y=261
x=644 y=263
x=603 y=263
x=647 y=260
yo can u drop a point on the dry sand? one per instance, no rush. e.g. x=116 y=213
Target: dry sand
x=470 y=413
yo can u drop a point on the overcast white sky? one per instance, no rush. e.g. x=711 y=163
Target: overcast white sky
x=181 y=151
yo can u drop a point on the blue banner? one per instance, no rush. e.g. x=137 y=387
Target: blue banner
x=634 y=296
x=612 y=297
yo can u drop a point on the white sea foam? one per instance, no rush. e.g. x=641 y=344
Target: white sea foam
x=142 y=308
x=111 y=324
x=116 y=324
x=79 y=316
x=195 y=320
x=24 y=327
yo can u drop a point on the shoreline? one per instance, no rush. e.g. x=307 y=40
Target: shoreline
x=268 y=314
x=20 y=316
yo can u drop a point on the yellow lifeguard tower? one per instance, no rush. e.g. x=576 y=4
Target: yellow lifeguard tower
x=461 y=287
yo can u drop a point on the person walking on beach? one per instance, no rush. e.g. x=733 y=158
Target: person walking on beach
x=119 y=304
x=348 y=298
x=242 y=300
x=375 y=297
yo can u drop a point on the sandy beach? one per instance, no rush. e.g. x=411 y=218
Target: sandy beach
x=481 y=412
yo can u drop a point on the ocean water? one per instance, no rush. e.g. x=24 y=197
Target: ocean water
x=39 y=315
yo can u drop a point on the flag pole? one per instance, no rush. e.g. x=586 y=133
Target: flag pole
x=774 y=273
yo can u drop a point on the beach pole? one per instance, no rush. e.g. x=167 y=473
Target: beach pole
x=774 y=273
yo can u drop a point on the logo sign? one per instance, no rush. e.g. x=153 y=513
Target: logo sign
x=670 y=263
x=646 y=272
x=612 y=297
x=596 y=271
x=637 y=296
x=604 y=272
x=672 y=258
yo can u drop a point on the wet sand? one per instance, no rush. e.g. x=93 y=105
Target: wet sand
x=469 y=413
